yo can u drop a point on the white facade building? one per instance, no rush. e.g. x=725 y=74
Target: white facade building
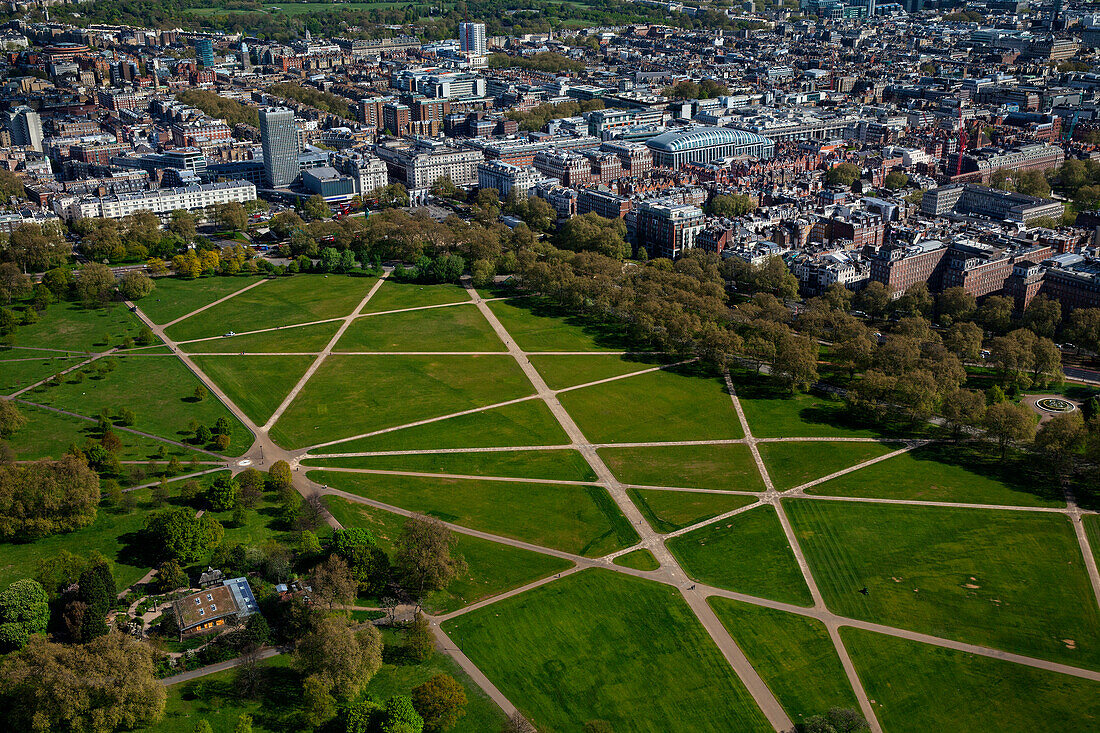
x=161 y=201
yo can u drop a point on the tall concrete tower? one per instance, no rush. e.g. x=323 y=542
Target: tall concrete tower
x=279 y=140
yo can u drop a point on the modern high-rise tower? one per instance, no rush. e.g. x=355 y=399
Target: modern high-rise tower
x=204 y=50
x=26 y=127
x=279 y=139
x=471 y=39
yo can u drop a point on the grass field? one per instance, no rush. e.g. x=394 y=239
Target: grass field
x=159 y=390
x=639 y=560
x=174 y=298
x=311 y=338
x=561 y=371
x=793 y=464
x=915 y=687
x=945 y=472
x=1010 y=580
x=21 y=368
x=578 y=519
x=558 y=465
x=793 y=654
x=351 y=395
x=48 y=434
x=747 y=553
x=669 y=404
x=492 y=568
x=395 y=295
x=281 y=302
x=774 y=413
x=461 y=328
x=1092 y=531
x=72 y=327
x=647 y=665
x=529 y=422
x=538 y=327
x=256 y=384
x=668 y=511
x=727 y=467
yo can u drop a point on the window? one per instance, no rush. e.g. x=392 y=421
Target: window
x=202 y=611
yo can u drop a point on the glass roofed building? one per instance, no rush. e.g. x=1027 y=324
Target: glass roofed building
x=706 y=144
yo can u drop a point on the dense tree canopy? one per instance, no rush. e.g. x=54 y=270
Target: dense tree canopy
x=46 y=497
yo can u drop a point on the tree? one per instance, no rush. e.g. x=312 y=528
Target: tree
x=24 y=612
x=342 y=657
x=11 y=419
x=795 y=361
x=423 y=555
x=1008 y=423
x=916 y=300
x=844 y=174
x=221 y=495
x=895 y=180
x=419 y=643
x=135 y=285
x=964 y=339
x=13 y=283
x=46 y=497
x=176 y=533
x=441 y=701
x=202 y=727
x=278 y=476
x=98 y=592
x=367 y=561
x=444 y=187
x=593 y=233
x=1083 y=328
x=399 y=716
x=730 y=205
x=244 y=724
x=251 y=486
x=182 y=224
x=171 y=576
x=1042 y=316
x=996 y=313
x=108 y=684
x=873 y=299
x=1033 y=183
x=315 y=208
x=36 y=247
x=963 y=408
x=837 y=720
x=94 y=284
x=1059 y=439
x=333 y=583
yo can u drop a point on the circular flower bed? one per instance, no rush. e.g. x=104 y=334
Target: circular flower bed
x=1055 y=404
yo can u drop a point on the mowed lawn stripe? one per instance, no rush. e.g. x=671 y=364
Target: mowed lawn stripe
x=582 y=520
x=748 y=553
x=310 y=338
x=492 y=568
x=394 y=295
x=668 y=511
x=1006 y=579
x=279 y=302
x=461 y=328
x=529 y=422
x=944 y=472
x=916 y=688
x=355 y=394
x=175 y=297
x=256 y=384
x=793 y=654
x=679 y=403
x=728 y=467
x=559 y=465
x=602 y=645
x=794 y=464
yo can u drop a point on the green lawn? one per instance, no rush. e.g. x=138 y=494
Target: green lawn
x=774 y=413
x=48 y=434
x=578 y=519
x=461 y=328
x=1092 y=531
x=793 y=654
x=747 y=553
x=672 y=404
x=72 y=327
x=280 y=302
x=794 y=464
x=395 y=295
x=492 y=568
x=561 y=371
x=558 y=465
x=174 y=297
x=1006 y=579
x=916 y=687
x=21 y=368
x=639 y=560
x=537 y=326
x=159 y=390
x=945 y=472
x=351 y=395
x=109 y=535
x=257 y=384
x=602 y=645
x=728 y=467
x=311 y=338
x=523 y=423
x=668 y=511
